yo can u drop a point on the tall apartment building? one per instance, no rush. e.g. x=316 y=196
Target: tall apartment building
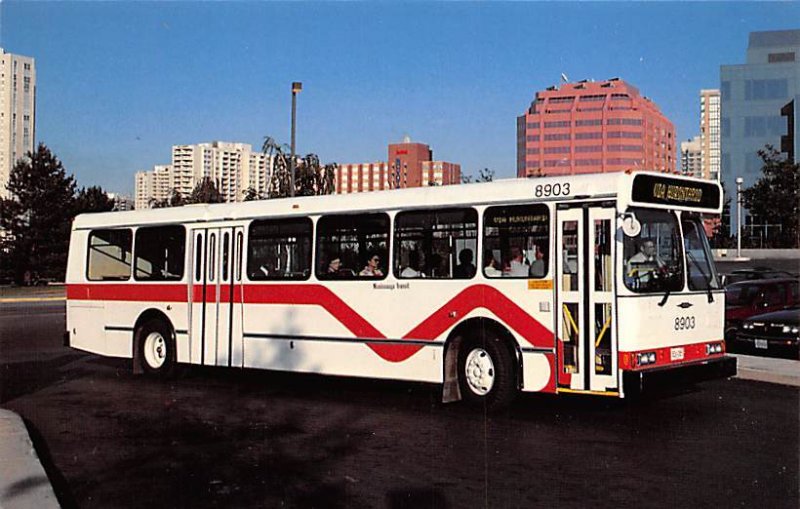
x=593 y=127
x=692 y=157
x=753 y=95
x=709 y=134
x=233 y=167
x=410 y=164
x=17 y=112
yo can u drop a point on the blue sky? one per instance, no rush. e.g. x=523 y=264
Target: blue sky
x=120 y=82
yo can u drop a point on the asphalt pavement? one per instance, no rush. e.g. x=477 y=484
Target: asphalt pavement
x=233 y=438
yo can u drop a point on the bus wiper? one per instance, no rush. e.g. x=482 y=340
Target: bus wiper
x=667 y=291
x=702 y=273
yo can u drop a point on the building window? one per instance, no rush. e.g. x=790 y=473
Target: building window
x=624 y=134
x=592 y=98
x=774 y=58
x=556 y=162
x=725 y=90
x=279 y=249
x=561 y=100
x=588 y=162
x=556 y=137
x=725 y=125
x=588 y=122
x=557 y=123
x=516 y=241
x=589 y=136
x=588 y=148
x=758 y=90
x=533 y=125
x=556 y=150
x=160 y=253
x=110 y=255
x=532 y=151
x=532 y=137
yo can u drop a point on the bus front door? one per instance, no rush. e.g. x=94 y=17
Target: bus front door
x=216 y=332
x=587 y=349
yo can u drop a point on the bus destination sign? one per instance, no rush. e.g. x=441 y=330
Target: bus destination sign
x=669 y=191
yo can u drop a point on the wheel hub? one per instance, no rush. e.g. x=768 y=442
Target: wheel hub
x=155 y=350
x=479 y=371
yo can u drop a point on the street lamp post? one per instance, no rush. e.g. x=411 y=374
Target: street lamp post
x=739 y=181
x=296 y=88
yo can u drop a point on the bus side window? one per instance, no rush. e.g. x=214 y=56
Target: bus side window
x=279 y=249
x=353 y=246
x=516 y=241
x=110 y=255
x=440 y=244
x=159 y=253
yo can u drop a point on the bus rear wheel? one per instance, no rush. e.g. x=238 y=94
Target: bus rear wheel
x=486 y=373
x=156 y=348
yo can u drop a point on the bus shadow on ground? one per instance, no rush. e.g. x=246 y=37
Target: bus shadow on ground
x=21 y=378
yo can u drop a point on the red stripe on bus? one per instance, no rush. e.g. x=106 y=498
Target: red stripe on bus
x=474 y=297
x=691 y=353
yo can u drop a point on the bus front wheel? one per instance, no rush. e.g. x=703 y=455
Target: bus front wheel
x=486 y=373
x=156 y=348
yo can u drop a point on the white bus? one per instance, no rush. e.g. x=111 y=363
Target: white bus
x=595 y=284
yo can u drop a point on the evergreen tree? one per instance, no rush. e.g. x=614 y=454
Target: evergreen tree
x=775 y=198
x=93 y=199
x=36 y=219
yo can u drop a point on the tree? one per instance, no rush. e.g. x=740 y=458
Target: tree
x=721 y=227
x=38 y=215
x=484 y=175
x=310 y=179
x=775 y=197
x=205 y=192
x=252 y=194
x=93 y=199
x=175 y=199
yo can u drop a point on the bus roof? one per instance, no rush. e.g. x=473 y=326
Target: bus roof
x=561 y=188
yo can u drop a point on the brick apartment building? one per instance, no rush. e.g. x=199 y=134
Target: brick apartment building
x=593 y=127
x=410 y=164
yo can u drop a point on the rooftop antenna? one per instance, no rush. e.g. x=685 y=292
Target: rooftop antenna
x=564 y=78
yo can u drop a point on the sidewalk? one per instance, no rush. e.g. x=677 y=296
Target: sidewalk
x=14 y=294
x=765 y=369
x=23 y=482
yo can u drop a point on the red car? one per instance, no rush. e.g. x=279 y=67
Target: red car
x=748 y=298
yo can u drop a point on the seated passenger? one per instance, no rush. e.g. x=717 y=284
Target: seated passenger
x=517 y=267
x=371 y=269
x=490 y=268
x=413 y=266
x=465 y=268
x=538 y=266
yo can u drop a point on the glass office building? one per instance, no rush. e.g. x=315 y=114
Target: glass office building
x=753 y=95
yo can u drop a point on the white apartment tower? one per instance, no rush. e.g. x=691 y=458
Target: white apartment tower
x=17 y=112
x=691 y=157
x=709 y=134
x=233 y=167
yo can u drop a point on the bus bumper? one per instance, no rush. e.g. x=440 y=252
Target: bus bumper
x=640 y=382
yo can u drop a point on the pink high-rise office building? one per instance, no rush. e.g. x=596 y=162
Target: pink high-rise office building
x=593 y=127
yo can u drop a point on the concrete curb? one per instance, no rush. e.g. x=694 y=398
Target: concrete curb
x=12 y=300
x=763 y=369
x=23 y=481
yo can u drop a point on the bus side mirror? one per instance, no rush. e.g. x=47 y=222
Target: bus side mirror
x=631 y=226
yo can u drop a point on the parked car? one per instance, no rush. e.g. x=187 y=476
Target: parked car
x=739 y=275
x=776 y=333
x=750 y=298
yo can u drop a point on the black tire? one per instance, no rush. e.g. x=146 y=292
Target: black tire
x=155 y=345
x=491 y=384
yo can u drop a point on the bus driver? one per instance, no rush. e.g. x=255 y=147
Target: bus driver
x=641 y=266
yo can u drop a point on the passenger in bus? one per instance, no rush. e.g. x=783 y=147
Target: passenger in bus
x=517 y=267
x=413 y=266
x=490 y=269
x=334 y=266
x=465 y=268
x=538 y=266
x=644 y=265
x=371 y=269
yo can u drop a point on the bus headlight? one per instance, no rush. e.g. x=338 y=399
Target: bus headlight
x=645 y=358
x=713 y=348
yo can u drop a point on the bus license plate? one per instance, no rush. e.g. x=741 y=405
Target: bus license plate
x=761 y=343
x=676 y=354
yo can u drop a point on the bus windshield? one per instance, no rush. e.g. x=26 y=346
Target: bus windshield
x=701 y=271
x=653 y=259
